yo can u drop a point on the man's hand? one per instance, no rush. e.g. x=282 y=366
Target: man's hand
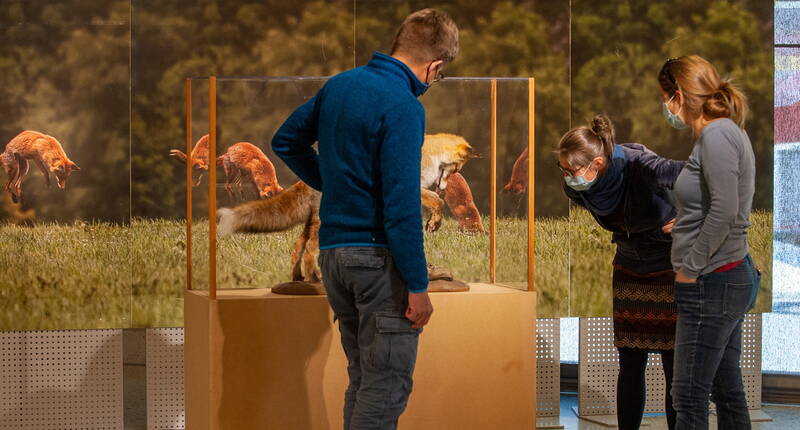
x=683 y=279
x=667 y=228
x=419 y=309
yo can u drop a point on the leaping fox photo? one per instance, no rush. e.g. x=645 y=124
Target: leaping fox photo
x=45 y=151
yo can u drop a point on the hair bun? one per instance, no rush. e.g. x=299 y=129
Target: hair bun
x=604 y=129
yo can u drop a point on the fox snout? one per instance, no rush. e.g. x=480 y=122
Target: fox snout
x=270 y=191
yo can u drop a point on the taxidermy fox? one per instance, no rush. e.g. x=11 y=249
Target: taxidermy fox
x=298 y=204
x=458 y=197
x=199 y=158
x=519 y=174
x=246 y=161
x=44 y=151
x=442 y=155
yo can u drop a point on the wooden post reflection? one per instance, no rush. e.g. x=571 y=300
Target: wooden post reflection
x=188 y=97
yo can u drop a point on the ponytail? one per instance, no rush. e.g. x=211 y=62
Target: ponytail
x=727 y=102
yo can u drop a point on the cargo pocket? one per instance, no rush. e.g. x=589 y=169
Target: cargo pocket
x=395 y=346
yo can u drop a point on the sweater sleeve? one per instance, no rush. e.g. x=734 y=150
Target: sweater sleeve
x=294 y=142
x=402 y=135
x=660 y=171
x=720 y=165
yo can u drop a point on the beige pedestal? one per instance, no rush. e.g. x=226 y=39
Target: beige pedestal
x=257 y=360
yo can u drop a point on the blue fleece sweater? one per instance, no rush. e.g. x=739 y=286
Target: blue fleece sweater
x=369 y=127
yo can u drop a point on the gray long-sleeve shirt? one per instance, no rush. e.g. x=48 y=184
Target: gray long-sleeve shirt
x=714 y=194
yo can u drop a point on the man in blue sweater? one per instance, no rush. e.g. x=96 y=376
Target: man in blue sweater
x=370 y=127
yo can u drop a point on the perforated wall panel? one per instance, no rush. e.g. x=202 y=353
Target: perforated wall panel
x=598 y=368
x=165 y=401
x=548 y=367
x=69 y=379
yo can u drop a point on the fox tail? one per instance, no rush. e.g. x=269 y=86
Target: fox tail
x=291 y=207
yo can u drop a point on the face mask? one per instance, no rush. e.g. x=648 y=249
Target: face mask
x=673 y=118
x=579 y=183
x=423 y=89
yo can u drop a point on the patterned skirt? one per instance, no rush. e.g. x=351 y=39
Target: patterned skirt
x=644 y=309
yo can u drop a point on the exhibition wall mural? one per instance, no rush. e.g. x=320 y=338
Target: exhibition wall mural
x=618 y=48
x=106 y=80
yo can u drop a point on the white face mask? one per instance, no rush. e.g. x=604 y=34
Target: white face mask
x=673 y=119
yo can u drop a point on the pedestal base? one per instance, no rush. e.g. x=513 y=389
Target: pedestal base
x=255 y=359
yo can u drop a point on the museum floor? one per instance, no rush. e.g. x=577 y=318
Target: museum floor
x=784 y=417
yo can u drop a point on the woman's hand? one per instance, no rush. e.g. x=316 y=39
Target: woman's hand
x=667 y=228
x=683 y=279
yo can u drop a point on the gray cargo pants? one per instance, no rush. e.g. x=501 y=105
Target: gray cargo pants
x=369 y=299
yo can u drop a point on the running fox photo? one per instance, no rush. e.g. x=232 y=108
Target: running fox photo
x=45 y=151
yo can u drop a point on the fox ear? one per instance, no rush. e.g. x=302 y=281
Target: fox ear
x=473 y=154
x=75 y=167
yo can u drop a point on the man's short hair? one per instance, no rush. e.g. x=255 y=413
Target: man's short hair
x=427 y=35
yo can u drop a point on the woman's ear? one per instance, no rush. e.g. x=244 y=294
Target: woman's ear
x=599 y=162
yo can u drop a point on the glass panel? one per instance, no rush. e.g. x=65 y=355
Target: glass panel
x=250 y=111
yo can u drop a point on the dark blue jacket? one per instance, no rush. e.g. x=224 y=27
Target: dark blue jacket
x=370 y=128
x=646 y=206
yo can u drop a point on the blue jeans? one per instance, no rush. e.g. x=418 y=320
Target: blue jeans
x=708 y=344
x=369 y=298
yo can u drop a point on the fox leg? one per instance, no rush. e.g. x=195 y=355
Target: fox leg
x=313 y=272
x=43 y=168
x=239 y=179
x=229 y=177
x=11 y=166
x=432 y=201
x=297 y=254
x=23 y=170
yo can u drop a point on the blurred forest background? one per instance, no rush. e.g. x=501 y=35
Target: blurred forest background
x=106 y=78
x=67 y=67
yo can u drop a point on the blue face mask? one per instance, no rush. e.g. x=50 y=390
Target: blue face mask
x=579 y=183
x=673 y=118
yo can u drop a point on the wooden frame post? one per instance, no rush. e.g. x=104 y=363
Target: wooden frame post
x=531 y=188
x=493 y=182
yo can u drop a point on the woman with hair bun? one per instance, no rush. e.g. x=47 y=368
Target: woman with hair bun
x=627 y=190
x=715 y=282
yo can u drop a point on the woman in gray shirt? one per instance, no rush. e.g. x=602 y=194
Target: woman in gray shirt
x=715 y=280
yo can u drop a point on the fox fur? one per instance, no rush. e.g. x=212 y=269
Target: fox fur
x=518 y=182
x=45 y=151
x=458 y=197
x=442 y=155
x=198 y=157
x=298 y=204
x=245 y=161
